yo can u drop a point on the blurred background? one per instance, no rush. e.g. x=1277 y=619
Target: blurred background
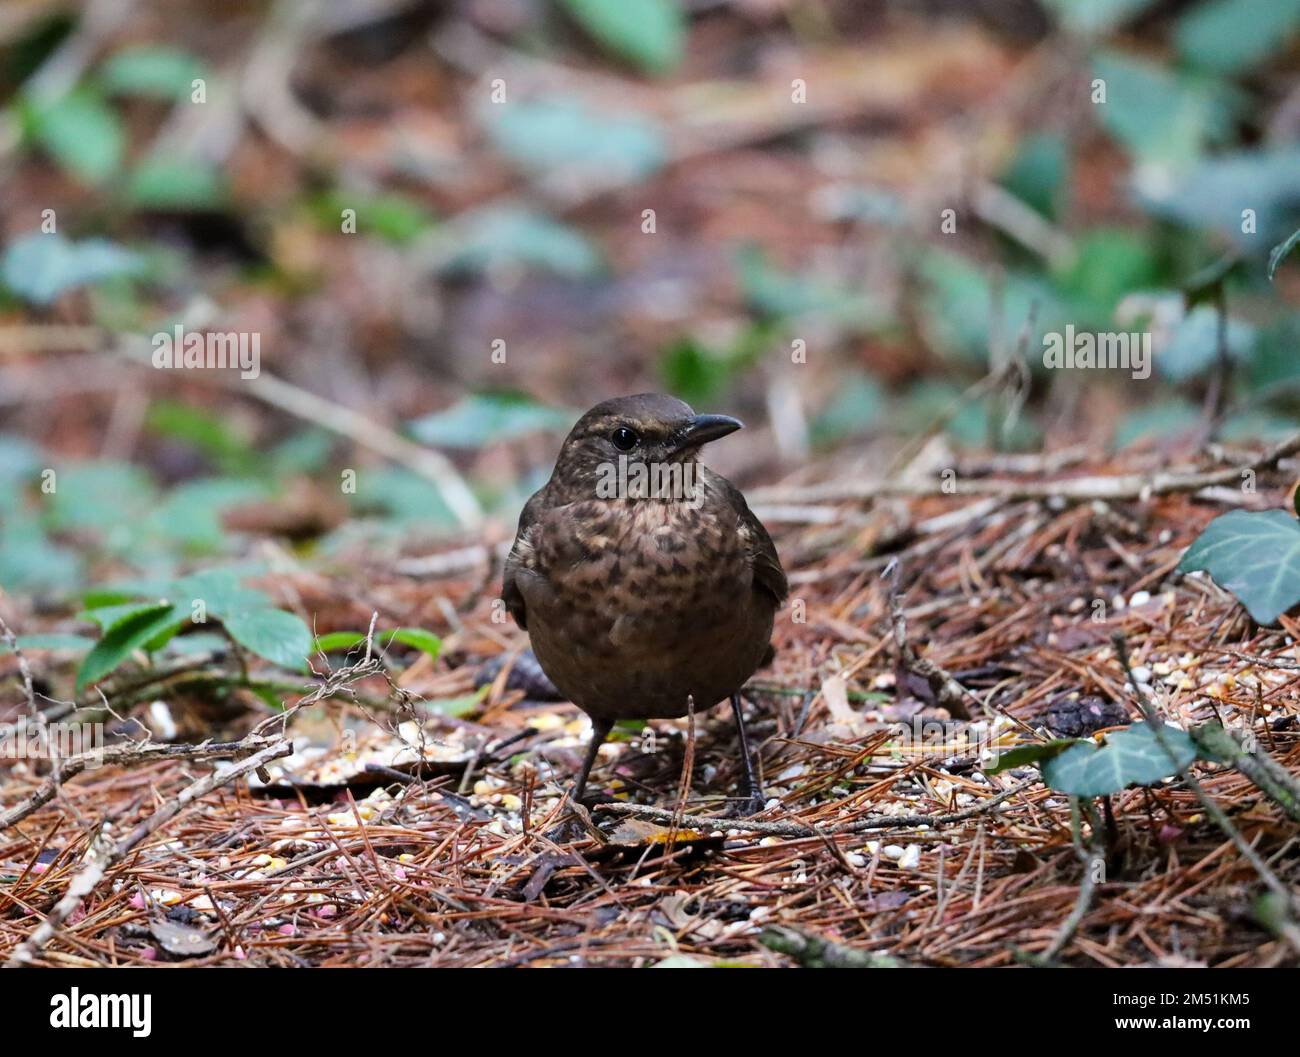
x=461 y=223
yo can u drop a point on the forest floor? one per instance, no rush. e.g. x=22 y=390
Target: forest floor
x=882 y=832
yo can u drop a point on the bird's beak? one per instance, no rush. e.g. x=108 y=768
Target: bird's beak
x=702 y=429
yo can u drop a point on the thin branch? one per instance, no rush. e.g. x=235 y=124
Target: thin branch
x=105 y=852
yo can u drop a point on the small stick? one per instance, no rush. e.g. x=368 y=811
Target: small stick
x=105 y=852
x=806 y=829
x=25 y=669
x=1073 y=490
x=688 y=769
x=949 y=692
x=122 y=755
x=1091 y=858
x=814 y=952
x=1274 y=780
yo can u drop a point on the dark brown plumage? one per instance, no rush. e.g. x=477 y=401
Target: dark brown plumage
x=637 y=598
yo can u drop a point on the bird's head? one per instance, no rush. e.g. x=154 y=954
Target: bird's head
x=638 y=436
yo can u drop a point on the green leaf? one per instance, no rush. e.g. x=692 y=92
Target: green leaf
x=110 y=616
x=493 y=237
x=1131 y=756
x=29 y=562
x=648 y=33
x=1163 y=419
x=962 y=306
x=122 y=638
x=337 y=640
x=208 y=433
x=1230 y=36
x=1274 y=365
x=39 y=267
x=1281 y=250
x=191 y=513
x=696 y=372
x=105 y=498
x=1193 y=348
x=278 y=636
x=221 y=593
x=1109 y=264
x=82 y=134
x=1039 y=172
x=395 y=217
x=1211 y=194
x=1095 y=17
x=175 y=183
x=487 y=418
x=402 y=496
x=1022 y=755
x=857 y=406
x=1156 y=113
x=457 y=706
x=417 y=638
x=563 y=138
x=1255 y=555
x=151 y=70
x=53 y=641
x=777 y=294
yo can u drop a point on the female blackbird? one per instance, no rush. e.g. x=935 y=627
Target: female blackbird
x=642 y=577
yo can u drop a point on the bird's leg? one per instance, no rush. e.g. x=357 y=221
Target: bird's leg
x=600 y=729
x=753 y=791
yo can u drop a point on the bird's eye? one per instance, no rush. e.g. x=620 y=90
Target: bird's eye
x=624 y=439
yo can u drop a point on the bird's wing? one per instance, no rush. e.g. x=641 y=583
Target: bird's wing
x=515 y=561
x=763 y=559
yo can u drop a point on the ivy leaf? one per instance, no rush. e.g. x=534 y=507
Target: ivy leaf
x=1230 y=36
x=174 y=183
x=221 y=593
x=1037 y=753
x=82 y=134
x=52 y=641
x=648 y=33
x=278 y=636
x=457 y=706
x=1131 y=756
x=39 y=267
x=152 y=71
x=1281 y=250
x=417 y=638
x=110 y=616
x=1256 y=556
x=337 y=640
x=553 y=136
x=123 y=636
x=486 y=418
x=492 y=237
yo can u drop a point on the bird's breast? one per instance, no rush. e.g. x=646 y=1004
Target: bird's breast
x=639 y=595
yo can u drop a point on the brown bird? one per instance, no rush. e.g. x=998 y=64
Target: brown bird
x=643 y=578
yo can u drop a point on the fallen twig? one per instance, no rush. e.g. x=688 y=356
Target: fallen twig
x=949 y=692
x=123 y=755
x=806 y=829
x=1271 y=777
x=814 y=952
x=105 y=852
